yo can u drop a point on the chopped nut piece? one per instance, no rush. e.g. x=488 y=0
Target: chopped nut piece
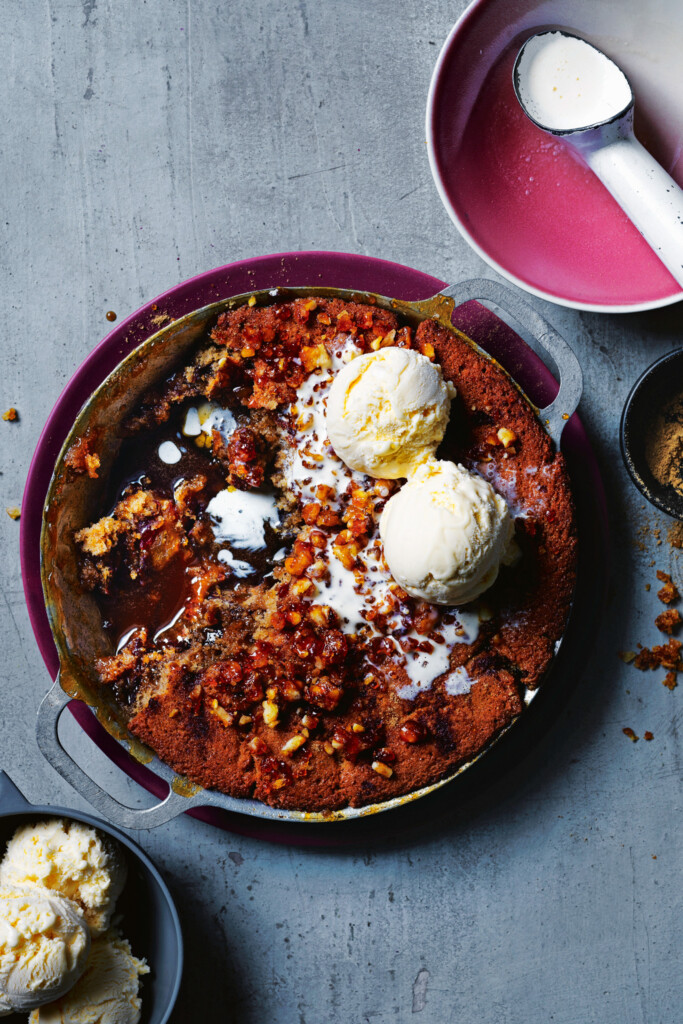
x=357 y=727
x=631 y=735
x=320 y=614
x=173 y=712
x=412 y=731
x=627 y=656
x=328 y=748
x=315 y=356
x=270 y=713
x=293 y=744
x=300 y=558
x=252 y=300
x=245 y=720
x=310 y=512
x=382 y=769
x=506 y=437
x=11 y=414
x=303 y=586
x=291 y=691
x=14 y=512
x=309 y=721
x=221 y=714
x=346 y=552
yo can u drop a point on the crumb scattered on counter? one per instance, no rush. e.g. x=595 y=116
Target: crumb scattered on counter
x=631 y=735
x=668 y=621
x=14 y=512
x=669 y=592
x=668 y=655
x=11 y=414
x=648 y=736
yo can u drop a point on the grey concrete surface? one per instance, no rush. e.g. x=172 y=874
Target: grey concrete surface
x=145 y=142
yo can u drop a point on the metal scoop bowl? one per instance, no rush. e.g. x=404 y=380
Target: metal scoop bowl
x=646 y=193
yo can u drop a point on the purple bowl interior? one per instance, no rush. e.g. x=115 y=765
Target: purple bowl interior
x=327 y=269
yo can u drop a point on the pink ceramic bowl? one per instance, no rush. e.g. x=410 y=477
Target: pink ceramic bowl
x=521 y=199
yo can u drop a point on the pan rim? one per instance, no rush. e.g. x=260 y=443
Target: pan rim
x=217 y=798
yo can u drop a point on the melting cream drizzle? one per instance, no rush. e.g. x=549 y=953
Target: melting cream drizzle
x=353 y=594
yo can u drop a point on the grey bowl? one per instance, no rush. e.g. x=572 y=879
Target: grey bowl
x=660 y=382
x=150 y=919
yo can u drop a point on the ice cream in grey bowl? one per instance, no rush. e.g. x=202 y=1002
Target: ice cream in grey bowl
x=88 y=928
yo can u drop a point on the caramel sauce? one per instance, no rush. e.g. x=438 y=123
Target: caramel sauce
x=158 y=601
x=156 y=604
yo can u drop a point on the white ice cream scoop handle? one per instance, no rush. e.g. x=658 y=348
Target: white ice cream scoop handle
x=647 y=194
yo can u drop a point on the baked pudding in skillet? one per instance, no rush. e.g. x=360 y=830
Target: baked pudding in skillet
x=292 y=619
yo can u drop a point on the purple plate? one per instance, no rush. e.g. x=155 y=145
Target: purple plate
x=328 y=269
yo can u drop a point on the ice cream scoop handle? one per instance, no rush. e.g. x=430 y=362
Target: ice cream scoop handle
x=646 y=193
x=554 y=416
x=53 y=704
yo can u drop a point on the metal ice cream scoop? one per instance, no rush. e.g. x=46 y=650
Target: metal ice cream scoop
x=571 y=89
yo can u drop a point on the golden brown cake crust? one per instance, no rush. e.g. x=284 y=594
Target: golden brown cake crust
x=256 y=691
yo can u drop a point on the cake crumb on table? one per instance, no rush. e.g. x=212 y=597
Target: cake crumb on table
x=668 y=621
x=11 y=414
x=630 y=734
x=669 y=592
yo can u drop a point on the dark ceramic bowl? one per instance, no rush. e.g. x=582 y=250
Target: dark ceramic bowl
x=149 y=917
x=653 y=389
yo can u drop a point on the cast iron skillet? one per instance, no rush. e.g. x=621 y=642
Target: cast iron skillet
x=150 y=919
x=72 y=503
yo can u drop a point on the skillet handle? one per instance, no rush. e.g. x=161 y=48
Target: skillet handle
x=555 y=416
x=50 y=711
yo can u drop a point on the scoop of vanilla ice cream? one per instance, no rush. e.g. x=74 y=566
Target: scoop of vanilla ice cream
x=44 y=946
x=445 y=534
x=107 y=992
x=72 y=859
x=387 y=411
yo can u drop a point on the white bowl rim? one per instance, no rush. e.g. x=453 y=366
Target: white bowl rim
x=637 y=307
